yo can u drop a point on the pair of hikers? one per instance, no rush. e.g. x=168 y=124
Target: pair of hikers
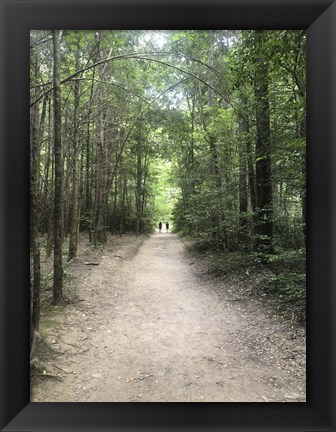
x=160 y=227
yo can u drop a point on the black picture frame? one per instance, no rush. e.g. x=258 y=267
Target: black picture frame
x=17 y=19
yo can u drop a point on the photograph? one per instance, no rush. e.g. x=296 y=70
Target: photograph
x=168 y=214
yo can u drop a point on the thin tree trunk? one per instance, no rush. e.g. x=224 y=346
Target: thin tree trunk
x=44 y=183
x=75 y=206
x=121 y=227
x=145 y=175
x=302 y=133
x=263 y=149
x=58 y=198
x=251 y=176
x=88 y=198
x=34 y=214
x=138 y=183
x=243 y=130
x=99 y=228
x=50 y=237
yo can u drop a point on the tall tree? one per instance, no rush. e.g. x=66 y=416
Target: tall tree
x=139 y=174
x=75 y=204
x=34 y=213
x=263 y=147
x=222 y=112
x=101 y=168
x=243 y=202
x=58 y=195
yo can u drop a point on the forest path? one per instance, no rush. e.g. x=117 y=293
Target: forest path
x=150 y=328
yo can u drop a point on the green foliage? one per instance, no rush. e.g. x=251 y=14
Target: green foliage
x=164 y=194
x=284 y=276
x=287 y=287
x=229 y=264
x=174 y=129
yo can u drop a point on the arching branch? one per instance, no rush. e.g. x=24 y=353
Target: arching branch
x=136 y=55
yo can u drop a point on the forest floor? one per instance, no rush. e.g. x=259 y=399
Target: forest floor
x=148 y=324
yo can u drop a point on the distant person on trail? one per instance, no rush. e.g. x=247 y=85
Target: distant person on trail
x=167 y=227
x=160 y=226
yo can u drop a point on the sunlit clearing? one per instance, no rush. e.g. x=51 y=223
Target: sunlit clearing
x=166 y=193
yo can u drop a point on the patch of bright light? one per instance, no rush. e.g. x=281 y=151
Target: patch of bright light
x=156 y=36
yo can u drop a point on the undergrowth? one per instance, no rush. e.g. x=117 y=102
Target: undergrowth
x=280 y=278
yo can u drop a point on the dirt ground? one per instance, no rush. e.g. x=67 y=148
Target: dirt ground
x=148 y=326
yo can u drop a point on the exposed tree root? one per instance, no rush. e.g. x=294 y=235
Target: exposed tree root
x=48 y=375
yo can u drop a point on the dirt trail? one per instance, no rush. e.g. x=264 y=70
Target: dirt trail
x=150 y=328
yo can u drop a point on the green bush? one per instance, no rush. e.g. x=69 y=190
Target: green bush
x=286 y=286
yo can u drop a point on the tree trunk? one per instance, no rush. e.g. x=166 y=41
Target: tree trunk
x=263 y=149
x=58 y=198
x=243 y=131
x=212 y=143
x=88 y=198
x=50 y=237
x=251 y=176
x=138 y=183
x=75 y=206
x=44 y=186
x=123 y=189
x=34 y=213
x=302 y=133
x=99 y=228
x=218 y=232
